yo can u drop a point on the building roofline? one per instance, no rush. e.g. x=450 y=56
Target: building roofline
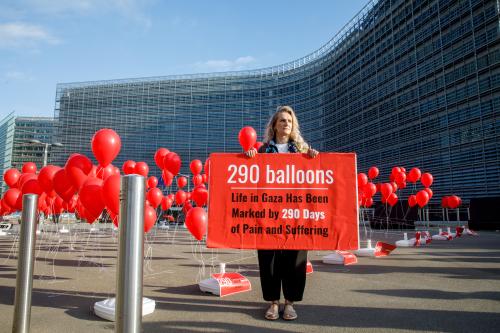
x=293 y=65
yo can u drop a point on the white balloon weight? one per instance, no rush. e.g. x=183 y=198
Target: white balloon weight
x=441 y=236
x=106 y=309
x=405 y=242
x=367 y=251
x=340 y=258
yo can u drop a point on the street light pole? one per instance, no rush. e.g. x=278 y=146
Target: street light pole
x=45 y=153
x=46 y=146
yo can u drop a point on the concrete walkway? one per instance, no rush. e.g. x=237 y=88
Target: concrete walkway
x=445 y=287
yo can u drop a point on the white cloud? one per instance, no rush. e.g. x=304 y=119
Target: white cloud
x=18 y=76
x=240 y=63
x=130 y=9
x=17 y=34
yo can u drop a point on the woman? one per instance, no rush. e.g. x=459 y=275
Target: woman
x=283 y=267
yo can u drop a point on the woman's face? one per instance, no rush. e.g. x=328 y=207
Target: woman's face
x=283 y=125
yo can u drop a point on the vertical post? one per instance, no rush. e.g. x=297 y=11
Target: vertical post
x=128 y=316
x=25 y=262
x=45 y=153
x=458 y=214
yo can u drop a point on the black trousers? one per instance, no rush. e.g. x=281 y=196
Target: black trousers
x=282 y=267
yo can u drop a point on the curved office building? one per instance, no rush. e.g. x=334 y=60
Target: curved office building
x=410 y=83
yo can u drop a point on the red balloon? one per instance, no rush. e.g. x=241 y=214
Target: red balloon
x=444 y=202
x=362 y=179
x=369 y=190
x=105 y=172
x=31 y=187
x=11 y=177
x=394 y=186
x=422 y=198
x=386 y=189
x=257 y=145
x=72 y=204
x=204 y=177
x=171 y=196
x=62 y=185
x=5 y=206
x=159 y=156
x=29 y=167
x=429 y=192
x=195 y=167
x=111 y=193
x=197 y=180
x=106 y=145
x=141 y=168
x=172 y=163
x=154 y=196
x=46 y=178
x=412 y=200
x=167 y=177
x=186 y=207
x=200 y=196
x=91 y=196
x=392 y=199
x=180 y=197
x=395 y=170
x=414 y=175
x=24 y=178
x=152 y=182
x=128 y=167
x=181 y=182
x=114 y=218
x=11 y=196
x=427 y=179
x=58 y=205
x=196 y=222
x=149 y=217
x=166 y=203
x=400 y=177
x=453 y=201
x=77 y=168
x=247 y=137
x=373 y=172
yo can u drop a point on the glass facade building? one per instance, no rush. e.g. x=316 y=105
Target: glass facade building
x=410 y=83
x=15 y=146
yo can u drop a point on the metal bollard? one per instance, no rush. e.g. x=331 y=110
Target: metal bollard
x=128 y=316
x=25 y=263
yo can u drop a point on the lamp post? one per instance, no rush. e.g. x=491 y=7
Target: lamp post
x=46 y=148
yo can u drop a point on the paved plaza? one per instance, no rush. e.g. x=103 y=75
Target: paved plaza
x=445 y=287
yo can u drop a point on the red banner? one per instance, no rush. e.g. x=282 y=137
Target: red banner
x=283 y=201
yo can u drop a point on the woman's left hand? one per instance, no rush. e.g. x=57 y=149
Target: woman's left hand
x=312 y=152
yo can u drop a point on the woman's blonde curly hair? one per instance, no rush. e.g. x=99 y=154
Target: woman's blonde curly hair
x=295 y=133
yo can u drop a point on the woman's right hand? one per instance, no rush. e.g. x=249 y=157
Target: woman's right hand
x=251 y=153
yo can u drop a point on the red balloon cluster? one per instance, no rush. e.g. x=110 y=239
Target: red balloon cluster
x=138 y=168
x=366 y=190
x=170 y=164
x=79 y=186
x=389 y=191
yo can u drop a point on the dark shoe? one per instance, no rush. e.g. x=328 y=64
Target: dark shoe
x=272 y=312
x=289 y=312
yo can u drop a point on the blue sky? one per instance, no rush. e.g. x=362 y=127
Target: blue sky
x=45 y=42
